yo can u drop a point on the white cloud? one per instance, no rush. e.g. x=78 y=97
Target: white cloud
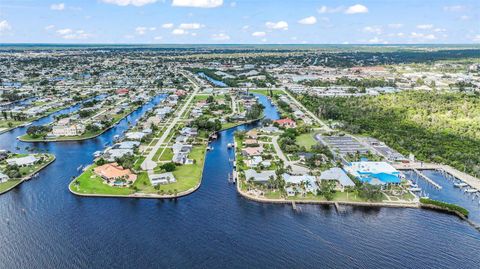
x=220 y=37
x=373 y=29
x=308 y=20
x=425 y=26
x=137 y=3
x=197 y=3
x=59 y=6
x=158 y=38
x=395 y=25
x=439 y=30
x=167 y=25
x=179 y=32
x=259 y=34
x=356 y=9
x=454 y=8
x=245 y=27
x=423 y=36
x=325 y=9
x=465 y=18
x=64 y=31
x=280 y=25
x=377 y=40
x=49 y=27
x=190 y=26
x=68 y=33
x=141 y=30
x=5 y=26
x=476 y=38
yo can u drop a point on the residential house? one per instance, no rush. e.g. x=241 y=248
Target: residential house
x=252 y=151
x=3 y=178
x=286 y=123
x=259 y=177
x=163 y=178
x=339 y=176
x=22 y=161
x=115 y=175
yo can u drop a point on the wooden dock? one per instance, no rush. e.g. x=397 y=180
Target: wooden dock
x=429 y=180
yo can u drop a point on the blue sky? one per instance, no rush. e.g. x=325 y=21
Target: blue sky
x=240 y=21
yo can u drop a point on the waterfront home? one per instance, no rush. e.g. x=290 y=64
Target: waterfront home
x=286 y=123
x=270 y=129
x=126 y=145
x=259 y=177
x=163 y=178
x=253 y=134
x=188 y=131
x=111 y=154
x=135 y=135
x=305 y=182
x=250 y=142
x=379 y=172
x=180 y=153
x=256 y=161
x=115 y=175
x=68 y=130
x=3 y=178
x=22 y=161
x=122 y=91
x=252 y=151
x=339 y=176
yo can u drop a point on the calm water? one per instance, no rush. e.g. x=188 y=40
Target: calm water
x=211 y=228
x=448 y=193
x=215 y=82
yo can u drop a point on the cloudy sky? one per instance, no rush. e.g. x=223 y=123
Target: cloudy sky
x=240 y=21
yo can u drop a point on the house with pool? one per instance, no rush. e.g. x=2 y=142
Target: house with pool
x=375 y=173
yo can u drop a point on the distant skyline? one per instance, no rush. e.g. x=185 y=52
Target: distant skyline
x=240 y=21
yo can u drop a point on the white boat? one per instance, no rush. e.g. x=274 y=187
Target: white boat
x=230 y=145
x=79 y=168
x=470 y=190
x=97 y=154
x=414 y=189
x=460 y=184
x=116 y=137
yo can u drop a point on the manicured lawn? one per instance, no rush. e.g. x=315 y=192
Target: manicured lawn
x=10 y=183
x=167 y=155
x=306 y=140
x=89 y=183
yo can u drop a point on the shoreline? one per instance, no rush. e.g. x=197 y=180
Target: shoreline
x=79 y=139
x=29 y=176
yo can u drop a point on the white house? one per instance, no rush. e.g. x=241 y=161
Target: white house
x=163 y=178
x=22 y=161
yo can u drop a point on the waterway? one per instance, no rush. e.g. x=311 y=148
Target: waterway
x=215 y=82
x=448 y=193
x=42 y=225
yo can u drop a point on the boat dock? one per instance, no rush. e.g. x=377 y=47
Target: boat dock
x=429 y=180
x=464 y=177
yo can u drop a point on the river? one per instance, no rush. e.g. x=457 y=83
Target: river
x=211 y=228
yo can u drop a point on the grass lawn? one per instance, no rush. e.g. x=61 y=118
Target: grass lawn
x=306 y=140
x=266 y=92
x=167 y=155
x=230 y=125
x=7 y=185
x=89 y=183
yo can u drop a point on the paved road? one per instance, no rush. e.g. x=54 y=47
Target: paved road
x=325 y=126
x=148 y=163
x=296 y=169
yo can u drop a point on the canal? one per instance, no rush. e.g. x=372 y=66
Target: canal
x=42 y=225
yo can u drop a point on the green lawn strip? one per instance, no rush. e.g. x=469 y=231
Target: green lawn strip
x=9 y=184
